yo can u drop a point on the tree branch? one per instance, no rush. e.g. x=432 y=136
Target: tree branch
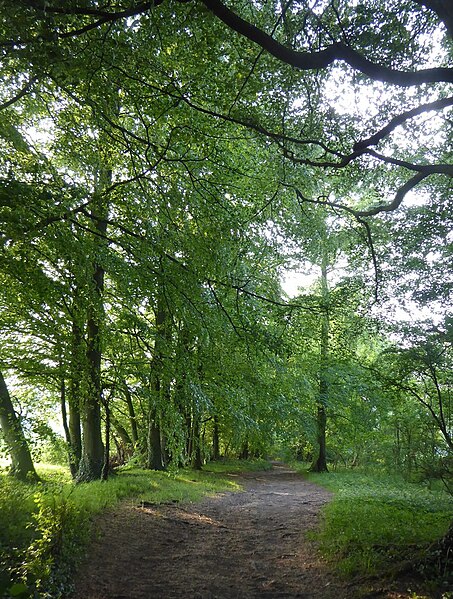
x=359 y=217
x=445 y=433
x=306 y=61
x=399 y=197
x=443 y=10
x=428 y=169
x=19 y=94
x=399 y=120
x=360 y=214
x=223 y=309
x=309 y=61
x=45 y=7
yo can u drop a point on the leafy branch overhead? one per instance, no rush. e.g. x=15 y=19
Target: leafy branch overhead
x=163 y=167
x=315 y=60
x=388 y=48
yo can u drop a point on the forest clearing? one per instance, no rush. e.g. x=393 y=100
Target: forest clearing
x=226 y=238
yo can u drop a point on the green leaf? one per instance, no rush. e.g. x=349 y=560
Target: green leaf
x=18 y=589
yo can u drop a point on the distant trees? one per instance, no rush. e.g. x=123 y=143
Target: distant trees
x=422 y=373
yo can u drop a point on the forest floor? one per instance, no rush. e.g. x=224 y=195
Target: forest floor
x=250 y=544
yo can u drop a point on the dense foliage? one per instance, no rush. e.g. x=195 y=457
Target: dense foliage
x=163 y=167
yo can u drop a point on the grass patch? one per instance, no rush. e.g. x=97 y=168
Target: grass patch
x=377 y=523
x=45 y=525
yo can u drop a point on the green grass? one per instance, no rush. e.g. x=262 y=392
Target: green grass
x=45 y=525
x=375 y=523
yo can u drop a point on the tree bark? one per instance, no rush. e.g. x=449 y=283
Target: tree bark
x=155 y=459
x=21 y=463
x=216 y=439
x=182 y=402
x=74 y=389
x=106 y=465
x=197 y=460
x=64 y=414
x=75 y=435
x=73 y=460
x=320 y=462
x=132 y=416
x=92 y=446
x=92 y=462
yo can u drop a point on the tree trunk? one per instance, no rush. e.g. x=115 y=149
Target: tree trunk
x=126 y=439
x=92 y=447
x=155 y=459
x=216 y=439
x=77 y=367
x=320 y=461
x=409 y=453
x=21 y=463
x=245 y=452
x=106 y=465
x=197 y=460
x=92 y=461
x=72 y=459
x=75 y=435
x=64 y=415
x=156 y=453
x=398 y=445
x=132 y=417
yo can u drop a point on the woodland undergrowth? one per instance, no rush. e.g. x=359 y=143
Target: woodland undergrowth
x=384 y=526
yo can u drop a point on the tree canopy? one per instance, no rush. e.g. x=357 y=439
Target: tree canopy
x=163 y=165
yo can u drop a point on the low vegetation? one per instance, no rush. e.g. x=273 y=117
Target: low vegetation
x=375 y=526
x=383 y=525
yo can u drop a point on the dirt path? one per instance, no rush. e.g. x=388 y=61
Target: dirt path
x=236 y=545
